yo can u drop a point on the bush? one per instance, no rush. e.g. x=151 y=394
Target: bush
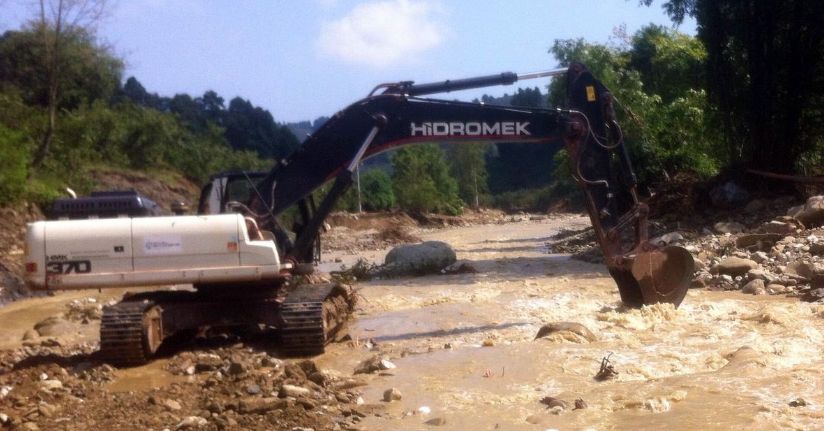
x=376 y=191
x=14 y=161
x=422 y=182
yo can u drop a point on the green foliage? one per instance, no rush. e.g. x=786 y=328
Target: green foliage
x=514 y=166
x=667 y=122
x=422 y=182
x=768 y=84
x=14 y=160
x=670 y=63
x=88 y=71
x=376 y=191
x=467 y=164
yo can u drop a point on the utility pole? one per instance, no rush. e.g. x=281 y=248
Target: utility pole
x=357 y=176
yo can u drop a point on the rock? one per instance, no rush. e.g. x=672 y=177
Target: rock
x=759 y=274
x=192 y=422
x=294 y=391
x=261 y=405
x=667 y=239
x=53 y=326
x=580 y=404
x=50 y=385
x=729 y=195
x=807 y=270
x=172 y=405
x=733 y=266
x=757 y=241
x=46 y=410
x=253 y=389
x=209 y=362
x=814 y=295
x=798 y=402
x=723 y=227
x=488 y=343
x=424 y=410
x=236 y=368
x=760 y=257
x=429 y=257
x=811 y=214
x=31 y=334
x=552 y=402
x=778 y=227
x=318 y=377
x=436 y=422
x=776 y=289
x=755 y=205
x=392 y=394
x=4 y=419
x=375 y=363
x=754 y=287
x=575 y=328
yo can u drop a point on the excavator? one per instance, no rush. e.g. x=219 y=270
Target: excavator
x=246 y=268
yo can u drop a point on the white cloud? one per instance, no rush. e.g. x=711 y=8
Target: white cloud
x=383 y=33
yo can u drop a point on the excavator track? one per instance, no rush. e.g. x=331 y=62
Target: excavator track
x=312 y=316
x=130 y=333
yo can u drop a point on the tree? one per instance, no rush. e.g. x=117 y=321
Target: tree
x=376 y=188
x=249 y=127
x=765 y=69
x=666 y=133
x=422 y=182
x=58 y=20
x=467 y=163
x=522 y=165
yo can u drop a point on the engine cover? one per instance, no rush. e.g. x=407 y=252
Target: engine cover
x=123 y=252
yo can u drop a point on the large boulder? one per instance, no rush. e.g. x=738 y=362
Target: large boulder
x=419 y=259
x=734 y=266
x=811 y=213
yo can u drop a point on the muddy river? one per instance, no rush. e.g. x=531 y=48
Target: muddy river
x=464 y=347
x=465 y=350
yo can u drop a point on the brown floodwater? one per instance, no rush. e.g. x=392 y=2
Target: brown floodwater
x=464 y=347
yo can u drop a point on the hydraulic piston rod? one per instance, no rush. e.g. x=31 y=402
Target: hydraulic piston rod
x=409 y=88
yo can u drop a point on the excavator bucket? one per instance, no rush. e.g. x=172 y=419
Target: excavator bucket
x=661 y=275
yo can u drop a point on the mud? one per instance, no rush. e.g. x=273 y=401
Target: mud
x=466 y=356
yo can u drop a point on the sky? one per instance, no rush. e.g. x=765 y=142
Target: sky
x=302 y=59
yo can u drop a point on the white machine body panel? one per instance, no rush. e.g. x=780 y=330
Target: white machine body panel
x=123 y=252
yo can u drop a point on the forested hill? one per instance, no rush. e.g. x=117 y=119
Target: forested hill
x=67 y=109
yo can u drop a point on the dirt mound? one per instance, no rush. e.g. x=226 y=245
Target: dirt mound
x=366 y=221
x=12 y=234
x=163 y=187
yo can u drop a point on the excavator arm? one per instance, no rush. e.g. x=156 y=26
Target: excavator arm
x=399 y=116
